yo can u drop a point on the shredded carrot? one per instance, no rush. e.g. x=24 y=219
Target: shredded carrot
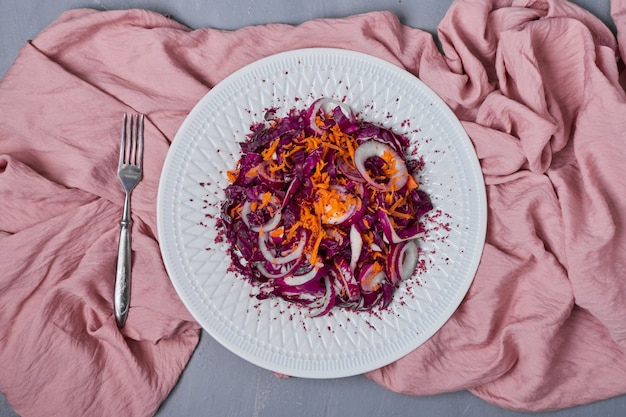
x=411 y=183
x=235 y=211
x=266 y=197
x=401 y=215
x=379 y=256
x=319 y=122
x=232 y=175
x=389 y=197
x=389 y=168
x=368 y=237
x=278 y=232
x=283 y=166
x=316 y=247
x=267 y=153
x=397 y=203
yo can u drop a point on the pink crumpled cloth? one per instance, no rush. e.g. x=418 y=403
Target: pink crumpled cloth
x=536 y=85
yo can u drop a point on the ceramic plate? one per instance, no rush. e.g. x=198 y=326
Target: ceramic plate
x=275 y=334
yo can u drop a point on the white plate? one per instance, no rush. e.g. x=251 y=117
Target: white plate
x=274 y=334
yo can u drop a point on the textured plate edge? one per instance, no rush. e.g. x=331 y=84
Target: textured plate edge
x=163 y=222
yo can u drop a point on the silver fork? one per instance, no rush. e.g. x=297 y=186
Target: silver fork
x=129 y=172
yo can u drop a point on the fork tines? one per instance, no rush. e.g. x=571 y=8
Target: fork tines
x=131 y=152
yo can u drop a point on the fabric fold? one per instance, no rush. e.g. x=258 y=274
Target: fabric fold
x=60 y=350
x=547 y=137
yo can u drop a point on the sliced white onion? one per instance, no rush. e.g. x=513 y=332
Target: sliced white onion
x=349 y=171
x=265 y=177
x=325 y=104
x=370 y=280
x=408 y=259
x=300 y=296
x=285 y=270
x=270 y=225
x=293 y=187
x=294 y=280
x=389 y=233
x=338 y=218
x=403 y=260
x=283 y=259
x=346 y=281
x=330 y=217
x=373 y=148
x=356 y=244
x=333 y=234
x=325 y=303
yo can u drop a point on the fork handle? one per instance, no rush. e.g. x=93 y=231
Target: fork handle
x=121 y=296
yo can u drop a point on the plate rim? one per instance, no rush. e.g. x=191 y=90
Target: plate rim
x=162 y=223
